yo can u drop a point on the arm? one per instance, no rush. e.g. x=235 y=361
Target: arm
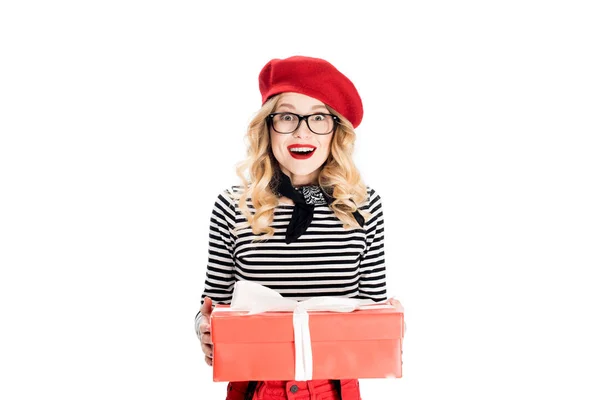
x=218 y=285
x=372 y=280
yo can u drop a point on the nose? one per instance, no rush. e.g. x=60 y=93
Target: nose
x=303 y=130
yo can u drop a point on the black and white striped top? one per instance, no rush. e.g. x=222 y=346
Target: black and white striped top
x=327 y=260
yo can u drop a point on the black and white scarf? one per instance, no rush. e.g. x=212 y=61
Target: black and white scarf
x=305 y=199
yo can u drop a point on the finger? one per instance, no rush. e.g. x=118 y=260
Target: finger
x=207 y=350
x=206 y=307
x=392 y=301
x=204 y=325
x=208 y=360
x=206 y=338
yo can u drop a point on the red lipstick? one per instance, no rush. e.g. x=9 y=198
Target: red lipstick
x=301 y=151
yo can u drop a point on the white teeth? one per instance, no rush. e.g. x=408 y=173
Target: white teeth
x=302 y=149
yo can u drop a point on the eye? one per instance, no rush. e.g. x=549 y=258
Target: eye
x=318 y=117
x=287 y=117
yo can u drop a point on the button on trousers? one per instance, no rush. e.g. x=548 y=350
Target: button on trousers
x=296 y=390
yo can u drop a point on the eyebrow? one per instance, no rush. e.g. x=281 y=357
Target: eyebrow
x=293 y=108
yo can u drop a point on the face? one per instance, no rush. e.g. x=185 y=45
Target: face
x=302 y=168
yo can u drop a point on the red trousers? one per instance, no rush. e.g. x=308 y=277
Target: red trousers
x=296 y=390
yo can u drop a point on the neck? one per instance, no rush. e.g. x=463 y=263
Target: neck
x=303 y=180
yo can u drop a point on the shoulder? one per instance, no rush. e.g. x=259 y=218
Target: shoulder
x=229 y=196
x=233 y=192
x=373 y=197
x=225 y=203
x=373 y=206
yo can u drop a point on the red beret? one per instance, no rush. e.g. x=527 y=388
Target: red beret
x=313 y=77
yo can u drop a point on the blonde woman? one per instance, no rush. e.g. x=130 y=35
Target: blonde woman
x=302 y=222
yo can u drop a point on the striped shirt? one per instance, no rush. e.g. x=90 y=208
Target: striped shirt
x=327 y=260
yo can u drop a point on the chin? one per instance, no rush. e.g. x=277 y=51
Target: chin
x=302 y=170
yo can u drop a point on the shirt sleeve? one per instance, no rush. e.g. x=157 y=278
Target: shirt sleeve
x=372 y=279
x=219 y=281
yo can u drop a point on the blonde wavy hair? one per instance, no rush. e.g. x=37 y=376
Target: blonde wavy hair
x=338 y=175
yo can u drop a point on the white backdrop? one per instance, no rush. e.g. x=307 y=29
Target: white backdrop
x=121 y=121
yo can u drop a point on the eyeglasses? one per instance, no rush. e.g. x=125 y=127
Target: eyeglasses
x=286 y=122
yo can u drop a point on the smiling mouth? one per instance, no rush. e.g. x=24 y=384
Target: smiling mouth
x=302 y=153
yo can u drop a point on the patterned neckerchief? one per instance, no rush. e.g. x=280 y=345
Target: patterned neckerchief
x=305 y=199
x=312 y=194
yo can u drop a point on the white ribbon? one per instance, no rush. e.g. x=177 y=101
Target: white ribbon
x=255 y=298
x=302 y=346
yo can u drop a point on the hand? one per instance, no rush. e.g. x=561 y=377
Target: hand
x=397 y=304
x=394 y=302
x=205 y=338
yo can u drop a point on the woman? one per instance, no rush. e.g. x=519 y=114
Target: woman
x=302 y=222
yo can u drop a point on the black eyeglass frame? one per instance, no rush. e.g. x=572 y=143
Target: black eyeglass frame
x=270 y=117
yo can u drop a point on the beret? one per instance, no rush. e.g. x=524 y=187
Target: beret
x=313 y=77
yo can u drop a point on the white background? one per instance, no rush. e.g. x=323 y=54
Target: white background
x=121 y=121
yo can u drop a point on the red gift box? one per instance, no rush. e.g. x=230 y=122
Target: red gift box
x=365 y=343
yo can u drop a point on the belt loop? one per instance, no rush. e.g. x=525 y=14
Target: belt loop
x=311 y=390
x=350 y=389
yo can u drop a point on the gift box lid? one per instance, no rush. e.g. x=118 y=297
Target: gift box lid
x=370 y=323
